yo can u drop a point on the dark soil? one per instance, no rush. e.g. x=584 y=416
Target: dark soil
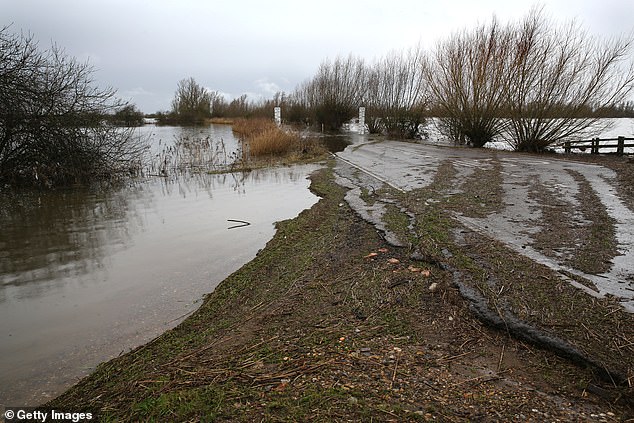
x=329 y=323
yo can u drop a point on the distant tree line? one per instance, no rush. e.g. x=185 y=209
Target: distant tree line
x=194 y=104
x=624 y=109
x=127 y=116
x=392 y=90
x=531 y=83
x=55 y=124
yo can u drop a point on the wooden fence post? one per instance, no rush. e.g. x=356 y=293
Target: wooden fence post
x=620 y=149
x=595 y=146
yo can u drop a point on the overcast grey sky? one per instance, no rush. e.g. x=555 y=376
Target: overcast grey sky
x=143 y=48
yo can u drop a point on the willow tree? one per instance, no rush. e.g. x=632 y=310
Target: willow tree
x=558 y=75
x=53 y=126
x=396 y=94
x=335 y=93
x=466 y=76
x=532 y=83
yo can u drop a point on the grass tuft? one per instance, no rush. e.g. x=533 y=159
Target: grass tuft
x=221 y=121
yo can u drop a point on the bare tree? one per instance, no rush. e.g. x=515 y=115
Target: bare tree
x=532 y=84
x=298 y=106
x=52 y=126
x=128 y=115
x=396 y=94
x=239 y=106
x=335 y=92
x=557 y=77
x=192 y=103
x=467 y=74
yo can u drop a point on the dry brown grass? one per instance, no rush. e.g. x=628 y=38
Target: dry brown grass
x=273 y=141
x=247 y=128
x=221 y=121
x=266 y=139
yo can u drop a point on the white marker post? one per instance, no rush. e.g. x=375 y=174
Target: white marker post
x=278 y=116
x=362 y=120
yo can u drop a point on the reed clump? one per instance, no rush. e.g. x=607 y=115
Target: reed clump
x=263 y=138
x=247 y=128
x=220 y=120
x=273 y=141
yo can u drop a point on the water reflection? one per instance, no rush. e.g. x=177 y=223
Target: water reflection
x=47 y=236
x=87 y=274
x=177 y=149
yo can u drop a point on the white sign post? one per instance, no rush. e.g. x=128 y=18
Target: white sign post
x=362 y=120
x=278 y=116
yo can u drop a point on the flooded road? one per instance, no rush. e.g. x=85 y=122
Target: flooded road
x=86 y=275
x=408 y=166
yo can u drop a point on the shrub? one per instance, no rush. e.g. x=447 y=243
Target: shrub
x=262 y=137
x=466 y=75
x=53 y=121
x=557 y=76
x=192 y=102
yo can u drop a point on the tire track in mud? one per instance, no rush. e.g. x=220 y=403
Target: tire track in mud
x=520 y=216
x=573 y=188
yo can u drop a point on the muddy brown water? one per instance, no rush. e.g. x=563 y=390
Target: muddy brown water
x=86 y=275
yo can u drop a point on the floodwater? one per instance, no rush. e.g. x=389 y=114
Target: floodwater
x=619 y=127
x=86 y=275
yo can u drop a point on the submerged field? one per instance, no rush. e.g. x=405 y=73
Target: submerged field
x=331 y=323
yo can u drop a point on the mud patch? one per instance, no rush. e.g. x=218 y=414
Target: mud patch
x=597 y=238
x=482 y=192
x=578 y=233
x=364 y=196
x=512 y=292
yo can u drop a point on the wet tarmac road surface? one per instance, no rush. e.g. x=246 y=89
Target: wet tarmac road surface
x=409 y=166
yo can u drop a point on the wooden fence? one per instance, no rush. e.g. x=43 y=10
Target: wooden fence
x=595 y=145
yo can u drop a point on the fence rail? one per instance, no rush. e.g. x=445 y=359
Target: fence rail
x=595 y=145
